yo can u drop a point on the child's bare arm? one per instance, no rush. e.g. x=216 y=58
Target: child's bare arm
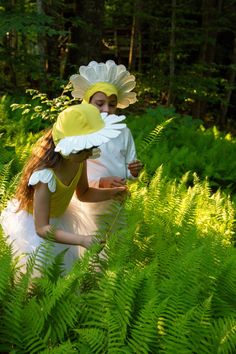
x=111 y=182
x=41 y=209
x=90 y=194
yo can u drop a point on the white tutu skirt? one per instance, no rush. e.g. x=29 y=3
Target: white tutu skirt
x=19 y=229
x=100 y=217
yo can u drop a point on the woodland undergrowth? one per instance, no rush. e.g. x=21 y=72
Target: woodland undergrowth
x=165 y=281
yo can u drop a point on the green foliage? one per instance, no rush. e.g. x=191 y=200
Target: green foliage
x=164 y=281
x=41 y=109
x=26 y=26
x=17 y=135
x=38 y=308
x=185 y=145
x=8 y=184
x=22 y=124
x=182 y=52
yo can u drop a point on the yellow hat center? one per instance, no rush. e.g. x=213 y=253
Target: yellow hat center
x=77 y=120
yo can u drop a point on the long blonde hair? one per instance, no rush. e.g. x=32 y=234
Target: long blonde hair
x=42 y=156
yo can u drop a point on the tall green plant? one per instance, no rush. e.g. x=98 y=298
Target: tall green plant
x=185 y=145
x=166 y=283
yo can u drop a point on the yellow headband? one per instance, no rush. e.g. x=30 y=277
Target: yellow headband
x=77 y=120
x=103 y=87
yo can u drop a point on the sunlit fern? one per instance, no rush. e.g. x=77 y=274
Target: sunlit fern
x=7 y=183
x=39 y=307
x=153 y=136
x=167 y=283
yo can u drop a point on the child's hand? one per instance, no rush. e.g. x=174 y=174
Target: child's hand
x=119 y=193
x=111 y=182
x=135 y=167
x=88 y=240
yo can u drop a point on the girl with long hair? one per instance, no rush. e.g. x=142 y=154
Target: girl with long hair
x=55 y=170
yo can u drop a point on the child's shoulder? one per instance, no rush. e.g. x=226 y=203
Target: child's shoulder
x=45 y=175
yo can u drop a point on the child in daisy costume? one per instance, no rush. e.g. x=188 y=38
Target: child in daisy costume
x=107 y=86
x=56 y=169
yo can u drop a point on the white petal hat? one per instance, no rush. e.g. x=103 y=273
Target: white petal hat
x=107 y=77
x=82 y=126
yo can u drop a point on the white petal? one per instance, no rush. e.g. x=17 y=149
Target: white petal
x=117 y=127
x=77 y=93
x=120 y=69
x=104 y=115
x=131 y=96
x=101 y=72
x=79 y=82
x=110 y=124
x=123 y=103
x=126 y=79
x=111 y=70
x=128 y=86
x=90 y=74
x=110 y=63
x=45 y=176
x=82 y=70
x=93 y=63
x=112 y=118
x=119 y=78
x=110 y=134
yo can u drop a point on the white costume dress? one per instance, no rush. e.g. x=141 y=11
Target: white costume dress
x=114 y=159
x=19 y=226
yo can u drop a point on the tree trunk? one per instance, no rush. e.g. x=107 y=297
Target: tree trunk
x=9 y=45
x=41 y=48
x=85 y=35
x=170 y=99
x=210 y=15
x=231 y=80
x=132 y=43
x=135 y=38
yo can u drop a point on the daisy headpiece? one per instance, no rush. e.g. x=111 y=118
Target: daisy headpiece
x=82 y=126
x=108 y=78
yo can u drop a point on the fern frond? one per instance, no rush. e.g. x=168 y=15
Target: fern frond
x=12 y=316
x=223 y=336
x=4 y=177
x=5 y=274
x=154 y=135
x=93 y=339
x=43 y=259
x=225 y=298
x=7 y=183
x=63 y=348
x=144 y=331
x=34 y=344
x=200 y=326
x=113 y=219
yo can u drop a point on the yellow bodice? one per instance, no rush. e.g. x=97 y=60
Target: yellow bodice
x=61 y=197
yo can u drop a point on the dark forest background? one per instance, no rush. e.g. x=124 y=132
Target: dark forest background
x=182 y=52
x=166 y=280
